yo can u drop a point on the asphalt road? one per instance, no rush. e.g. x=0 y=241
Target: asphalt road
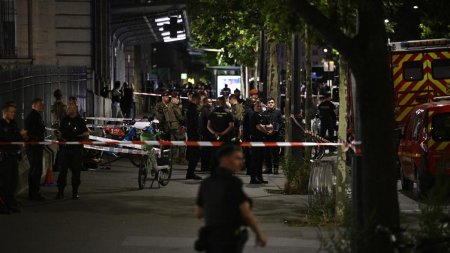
x=114 y=216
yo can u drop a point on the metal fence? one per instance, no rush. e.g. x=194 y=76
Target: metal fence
x=22 y=85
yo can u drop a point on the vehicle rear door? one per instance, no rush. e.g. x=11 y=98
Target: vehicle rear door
x=410 y=82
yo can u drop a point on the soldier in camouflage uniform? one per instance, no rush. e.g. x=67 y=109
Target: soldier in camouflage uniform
x=176 y=126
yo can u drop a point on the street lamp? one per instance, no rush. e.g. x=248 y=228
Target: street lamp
x=386 y=21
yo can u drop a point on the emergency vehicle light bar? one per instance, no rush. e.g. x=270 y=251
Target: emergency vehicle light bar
x=425 y=43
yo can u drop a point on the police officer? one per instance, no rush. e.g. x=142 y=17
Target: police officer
x=193 y=134
x=207 y=107
x=9 y=157
x=327 y=118
x=221 y=122
x=225 y=207
x=260 y=127
x=73 y=128
x=274 y=116
x=36 y=132
x=248 y=112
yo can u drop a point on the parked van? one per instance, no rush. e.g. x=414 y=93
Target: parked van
x=425 y=145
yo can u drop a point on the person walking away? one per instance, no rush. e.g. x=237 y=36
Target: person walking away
x=9 y=158
x=126 y=101
x=36 y=132
x=207 y=107
x=259 y=128
x=220 y=122
x=115 y=100
x=237 y=110
x=275 y=118
x=193 y=134
x=58 y=109
x=327 y=112
x=225 y=207
x=73 y=128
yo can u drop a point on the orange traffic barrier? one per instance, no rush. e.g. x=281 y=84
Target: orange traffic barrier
x=49 y=177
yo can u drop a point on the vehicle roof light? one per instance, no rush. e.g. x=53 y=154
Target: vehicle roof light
x=426 y=43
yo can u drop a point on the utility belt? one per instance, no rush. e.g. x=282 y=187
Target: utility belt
x=238 y=234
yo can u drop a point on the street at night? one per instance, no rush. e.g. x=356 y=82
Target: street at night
x=225 y=126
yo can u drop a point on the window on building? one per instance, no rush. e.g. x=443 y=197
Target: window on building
x=7 y=29
x=412 y=71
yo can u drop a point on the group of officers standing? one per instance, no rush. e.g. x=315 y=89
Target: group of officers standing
x=229 y=119
x=68 y=126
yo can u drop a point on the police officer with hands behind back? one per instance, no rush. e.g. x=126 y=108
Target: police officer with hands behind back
x=260 y=127
x=9 y=158
x=221 y=122
x=36 y=132
x=275 y=118
x=73 y=128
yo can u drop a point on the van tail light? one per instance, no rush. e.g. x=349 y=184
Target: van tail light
x=424 y=146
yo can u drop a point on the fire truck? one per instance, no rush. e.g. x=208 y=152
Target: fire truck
x=421 y=78
x=420 y=72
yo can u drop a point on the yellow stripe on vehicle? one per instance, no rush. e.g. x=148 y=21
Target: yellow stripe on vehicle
x=404 y=113
x=443 y=145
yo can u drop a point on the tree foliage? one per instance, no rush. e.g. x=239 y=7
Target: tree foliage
x=227 y=25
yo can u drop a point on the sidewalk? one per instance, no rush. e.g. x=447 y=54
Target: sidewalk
x=114 y=216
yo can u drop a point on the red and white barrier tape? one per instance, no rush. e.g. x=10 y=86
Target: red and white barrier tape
x=117 y=150
x=108 y=119
x=97 y=138
x=173 y=143
x=153 y=94
x=158 y=95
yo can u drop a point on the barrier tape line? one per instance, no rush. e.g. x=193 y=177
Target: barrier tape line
x=158 y=95
x=109 y=119
x=97 y=138
x=153 y=94
x=353 y=145
x=308 y=131
x=116 y=150
x=172 y=143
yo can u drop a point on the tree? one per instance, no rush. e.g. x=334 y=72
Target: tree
x=366 y=53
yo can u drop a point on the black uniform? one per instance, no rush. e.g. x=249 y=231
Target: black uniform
x=205 y=135
x=272 y=157
x=327 y=119
x=220 y=196
x=71 y=155
x=220 y=120
x=193 y=134
x=246 y=134
x=257 y=152
x=36 y=132
x=9 y=157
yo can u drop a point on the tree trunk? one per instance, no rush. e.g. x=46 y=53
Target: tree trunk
x=287 y=100
x=375 y=96
x=342 y=136
x=273 y=72
x=367 y=56
x=308 y=79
